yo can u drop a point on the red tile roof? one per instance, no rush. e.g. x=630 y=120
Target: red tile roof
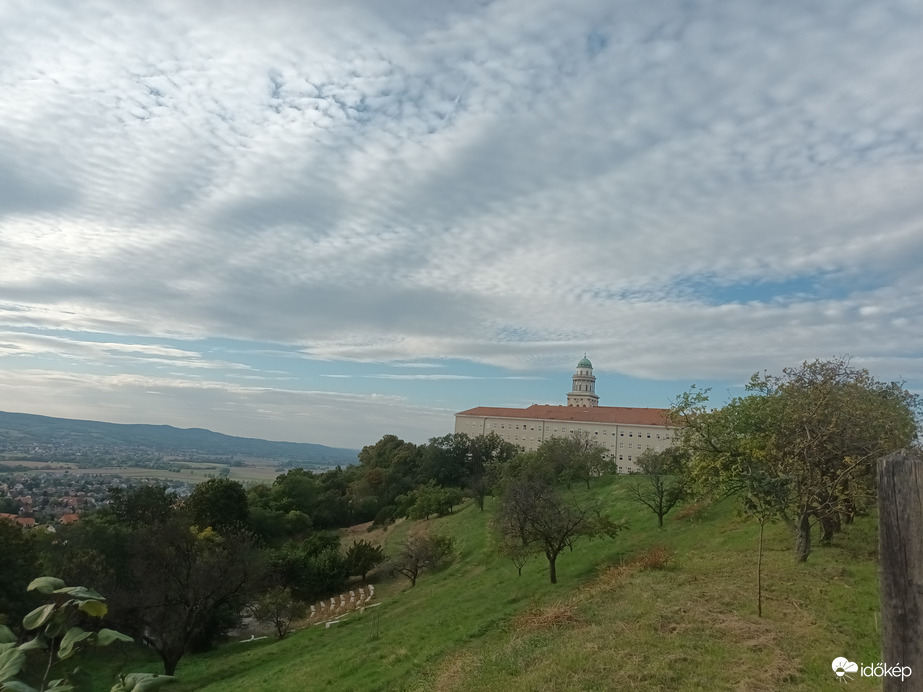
x=22 y=521
x=69 y=518
x=620 y=415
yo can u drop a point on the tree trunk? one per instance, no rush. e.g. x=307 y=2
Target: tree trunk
x=829 y=525
x=803 y=538
x=552 y=572
x=759 y=573
x=659 y=520
x=170 y=661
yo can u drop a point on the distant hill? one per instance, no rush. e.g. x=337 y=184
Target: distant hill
x=25 y=433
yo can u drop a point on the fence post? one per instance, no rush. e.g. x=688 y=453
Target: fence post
x=900 y=551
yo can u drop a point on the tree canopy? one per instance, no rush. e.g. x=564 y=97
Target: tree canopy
x=809 y=436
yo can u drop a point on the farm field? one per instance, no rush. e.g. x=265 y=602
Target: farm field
x=191 y=472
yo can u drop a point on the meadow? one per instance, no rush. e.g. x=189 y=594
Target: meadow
x=670 y=609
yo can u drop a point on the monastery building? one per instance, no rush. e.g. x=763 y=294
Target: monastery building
x=623 y=432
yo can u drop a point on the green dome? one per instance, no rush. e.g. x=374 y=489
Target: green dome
x=585 y=363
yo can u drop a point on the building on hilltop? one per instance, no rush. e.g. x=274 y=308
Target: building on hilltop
x=622 y=431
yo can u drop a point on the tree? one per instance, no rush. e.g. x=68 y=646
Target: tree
x=446 y=459
x=219 y=503
x=577 y=457
x=536 y=515
x=279 y=608
x=664 y=483
x=362 y=557
x=489 y=454
x=422 y=551
x=519 y=554
x=146 y=504
x=19 y=563
x=314 y=569
x=182 y=581
x=431 y=499
x=589 y=458
x=815 y=431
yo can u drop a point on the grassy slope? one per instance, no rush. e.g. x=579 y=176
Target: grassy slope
x=477 y=626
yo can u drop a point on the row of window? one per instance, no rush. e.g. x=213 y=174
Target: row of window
x=566 y=430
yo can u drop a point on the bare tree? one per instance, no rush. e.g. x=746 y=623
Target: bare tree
x=536 y=515
x=422 y=551
x=663 y=484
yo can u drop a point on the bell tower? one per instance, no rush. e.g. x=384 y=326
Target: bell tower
x=583 y=391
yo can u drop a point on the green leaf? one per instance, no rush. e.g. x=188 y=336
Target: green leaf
x=61 y=685
x=80 y=592
x=106 y=636
x=45 y=584
x=58 y=625
x=10 y=663
x=6 y=635
x=17 y=686
x=37 y=643
x=141 y=682
x=96 y=609
x=38 y=617
x=72 y=637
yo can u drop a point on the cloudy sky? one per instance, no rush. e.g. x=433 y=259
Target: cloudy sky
x=327 y=221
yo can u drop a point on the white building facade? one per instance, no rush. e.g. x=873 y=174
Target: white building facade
x=622 y=431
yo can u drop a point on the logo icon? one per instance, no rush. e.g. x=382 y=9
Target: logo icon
x=842 y=666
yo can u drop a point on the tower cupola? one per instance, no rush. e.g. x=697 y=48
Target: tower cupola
x=583 y=390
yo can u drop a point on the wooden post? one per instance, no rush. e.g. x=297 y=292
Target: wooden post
x=900 y=550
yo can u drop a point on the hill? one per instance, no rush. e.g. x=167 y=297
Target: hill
x=55 y=439
x=649 y=610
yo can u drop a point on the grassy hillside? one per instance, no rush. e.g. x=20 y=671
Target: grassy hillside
x=612 y=622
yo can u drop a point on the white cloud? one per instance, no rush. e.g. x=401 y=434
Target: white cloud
x=685 y=191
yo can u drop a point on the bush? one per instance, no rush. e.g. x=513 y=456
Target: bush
x=362 y=557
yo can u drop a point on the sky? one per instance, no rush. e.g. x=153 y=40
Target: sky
x=330 y=221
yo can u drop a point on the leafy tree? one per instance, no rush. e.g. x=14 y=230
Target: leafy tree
x=400 y=465
x=446 y=459
x=420 y=552
x=279 y=608
x=58 y=631
x=431 y=499
x=362 y=557
x=664 y=484
x=576 y=457
x=143 y=505
x=19 y=563
x=95 y=550
x=219 y=503
x=540 y=518
x=182 y=582
x=489 y=455
x=815 y=431
x=314 y=569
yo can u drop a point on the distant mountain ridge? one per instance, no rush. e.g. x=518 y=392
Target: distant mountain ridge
x=21 y=431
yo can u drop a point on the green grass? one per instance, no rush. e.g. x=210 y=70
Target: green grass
x=607 y=625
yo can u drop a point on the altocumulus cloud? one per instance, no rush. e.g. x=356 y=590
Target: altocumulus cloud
x=685 y=191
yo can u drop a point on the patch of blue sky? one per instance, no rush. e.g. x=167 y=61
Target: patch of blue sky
x=814 y=287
